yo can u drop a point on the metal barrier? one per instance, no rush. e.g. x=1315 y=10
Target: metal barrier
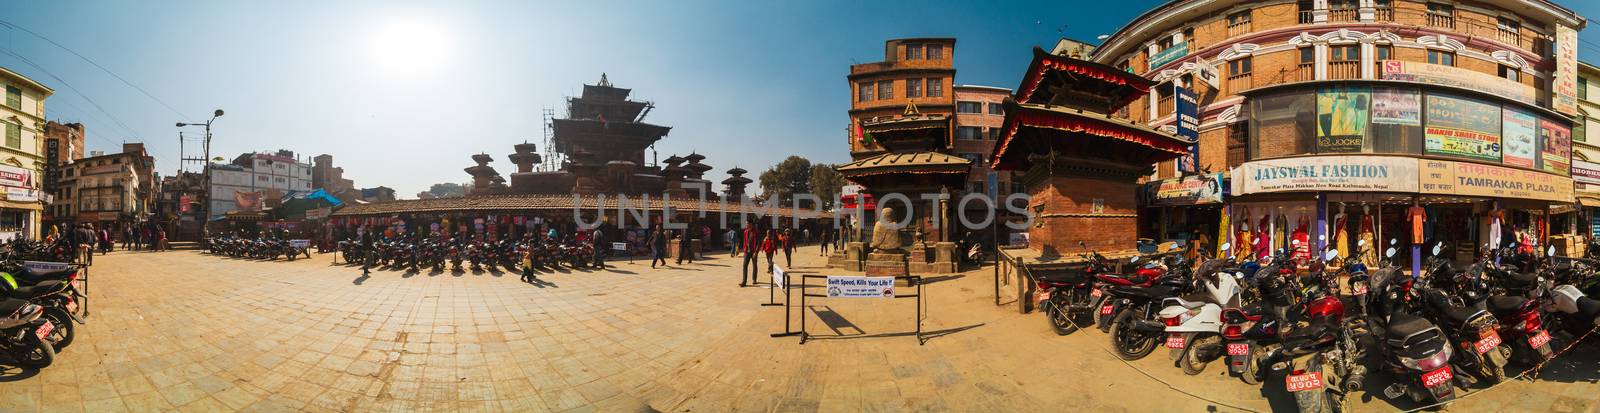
x=911 y=281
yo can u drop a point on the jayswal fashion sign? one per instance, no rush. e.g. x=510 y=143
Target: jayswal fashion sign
x=1326 y=173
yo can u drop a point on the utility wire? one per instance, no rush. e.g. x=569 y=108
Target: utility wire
x=97 y=65
x=80 y=94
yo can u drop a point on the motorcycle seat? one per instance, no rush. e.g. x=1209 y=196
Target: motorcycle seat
x=1588 y=308
x=1525 y=278
x=1146 y=292
x=1061 y=278
x=30 y=275
x=10 y=306
x=1506 y=303
x=1194 y=300
x=1402 y=325
x=38 y=290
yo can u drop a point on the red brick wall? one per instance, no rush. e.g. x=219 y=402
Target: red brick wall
x=1062 y=195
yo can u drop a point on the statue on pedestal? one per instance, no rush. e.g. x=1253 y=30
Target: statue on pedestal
x=885 y=238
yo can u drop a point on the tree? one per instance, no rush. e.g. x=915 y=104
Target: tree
x=448 y=189
x=826 y=182
x=789 y=177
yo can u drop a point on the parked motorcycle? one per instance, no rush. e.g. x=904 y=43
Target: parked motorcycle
x=24 y=334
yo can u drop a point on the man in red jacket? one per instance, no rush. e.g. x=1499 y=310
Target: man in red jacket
x=752 y=243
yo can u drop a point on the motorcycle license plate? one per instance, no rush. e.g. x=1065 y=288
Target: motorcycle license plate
x=46 y=329
x=1359 y=289
x=1175 y=341
x=72 y=307
x=1238 y=349
x=1539 y=339
x=1437 y=377
x=1487 y=343
x=1095 y=293
x=1303 y=382
x=1105 y=309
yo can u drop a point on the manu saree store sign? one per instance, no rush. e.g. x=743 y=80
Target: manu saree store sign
x=1474 y=179
x=1326 y=173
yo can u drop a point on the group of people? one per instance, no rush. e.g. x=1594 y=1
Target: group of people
x=753 y=241
x=86 y=239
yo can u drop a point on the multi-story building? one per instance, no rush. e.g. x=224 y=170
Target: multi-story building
x=918 y=72
x=63 y=144
x=1586 y=149
x=178 y=207
x=979 y=113
x=1333 y=118
x=107 y=190
x=331 y=178
x=263 y=177
x=21 y=154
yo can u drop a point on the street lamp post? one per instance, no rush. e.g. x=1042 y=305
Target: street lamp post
x=205 y=208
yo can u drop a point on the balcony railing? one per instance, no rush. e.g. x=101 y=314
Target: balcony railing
x=1343 y=15
x=1307 y=17
x=1239 y=83
x=1509 y=36
x=1164 y=106
x=1447 y=21
x=1306 y=72
x=1342 y=70
x=1384 y=14
x=1238 y=28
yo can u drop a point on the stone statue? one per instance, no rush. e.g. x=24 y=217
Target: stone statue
x=884 y=237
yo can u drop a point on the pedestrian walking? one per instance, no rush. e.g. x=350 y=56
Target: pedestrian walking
x=787 y=243
x=658 y=247
x=827 y=238
x=770 y=245
x=686 y=246
x=600 y=246
x=85 y=243
x=750 y=238
x=367 y=238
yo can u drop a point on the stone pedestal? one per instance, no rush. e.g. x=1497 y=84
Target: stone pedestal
x=696 y=247
x=944 y=258
x=886 y=264
x=854 y=253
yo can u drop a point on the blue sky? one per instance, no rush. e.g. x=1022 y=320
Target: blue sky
x=744 y=83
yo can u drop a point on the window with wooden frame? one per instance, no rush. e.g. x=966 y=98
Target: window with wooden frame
x=913 y=51
x=914 y=88
x=1440 y=57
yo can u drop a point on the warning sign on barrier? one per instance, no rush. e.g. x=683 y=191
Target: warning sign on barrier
x=777 y=276
x=860 y=287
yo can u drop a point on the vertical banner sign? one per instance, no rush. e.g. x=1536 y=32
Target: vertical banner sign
x=1564 y=87
x=1341 y=119
x=1520 y=147
x=777 y=276
x=1188 y=111
x=860 y=287
x=183 y=204
x=994 y=186
x=1556 y=139
x=1463 y=128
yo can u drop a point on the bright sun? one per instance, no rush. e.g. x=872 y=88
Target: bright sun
x=409 y=48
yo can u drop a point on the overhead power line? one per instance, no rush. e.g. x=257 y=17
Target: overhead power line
x=80 y=93
x=96 y=65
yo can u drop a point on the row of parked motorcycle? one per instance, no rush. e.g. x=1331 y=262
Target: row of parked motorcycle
x=38 y=311
x=260 y=248
x=1313 y=319
x=478 y=255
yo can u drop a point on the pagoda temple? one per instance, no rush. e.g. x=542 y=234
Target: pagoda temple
x=603 y=141
x=1080 y=166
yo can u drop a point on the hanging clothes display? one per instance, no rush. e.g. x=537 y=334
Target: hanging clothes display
x=1369 y=255
x=1263 y=247
x=1280 y=231
x=1302 y=249
x=1496 y=217
x=1341 y=238
x=1243 y=250
x=1222 y=237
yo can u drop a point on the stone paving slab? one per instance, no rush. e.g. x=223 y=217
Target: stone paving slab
x=184 y=331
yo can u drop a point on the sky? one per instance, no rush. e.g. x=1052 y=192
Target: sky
x=401 y=93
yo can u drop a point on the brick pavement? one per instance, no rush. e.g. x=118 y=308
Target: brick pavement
x=189 y=332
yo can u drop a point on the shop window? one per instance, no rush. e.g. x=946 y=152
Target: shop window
x=1282 y=125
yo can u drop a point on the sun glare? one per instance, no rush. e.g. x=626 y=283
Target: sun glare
x=409 y=48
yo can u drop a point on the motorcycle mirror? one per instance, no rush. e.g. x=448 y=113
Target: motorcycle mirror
x=1330 y=255
x=1437 y=248
x=1394 y=241
x=1389 y=253
x=1225 y=246
x=1133 y=258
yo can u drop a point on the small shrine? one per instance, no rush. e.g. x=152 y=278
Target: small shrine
x=1080 y=166
x=915 y=162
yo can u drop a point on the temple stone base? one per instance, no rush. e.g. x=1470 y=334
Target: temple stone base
x=853 y=255
x=886 y=264
x=696 y=247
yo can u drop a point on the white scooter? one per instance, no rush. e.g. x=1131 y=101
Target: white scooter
x=1194 y=321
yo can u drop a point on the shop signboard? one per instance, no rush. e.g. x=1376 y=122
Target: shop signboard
x=1341 y=119
x=1442 y=75
x=1188 y=190
x=1188 y=114
x=1177 y=51
x=1585 y=172
x=1392 y=106
x=860 y=287
x=1326 y=173
x=14 y=176
x=1519 y=129
x=1475 y=179
x=1564 y=85
x=1462 y=127
x=1556 y=141
x=21 y=195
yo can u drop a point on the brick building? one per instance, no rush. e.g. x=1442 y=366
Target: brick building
x=916 y=71
x=978 y=115
x=1479 y=91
